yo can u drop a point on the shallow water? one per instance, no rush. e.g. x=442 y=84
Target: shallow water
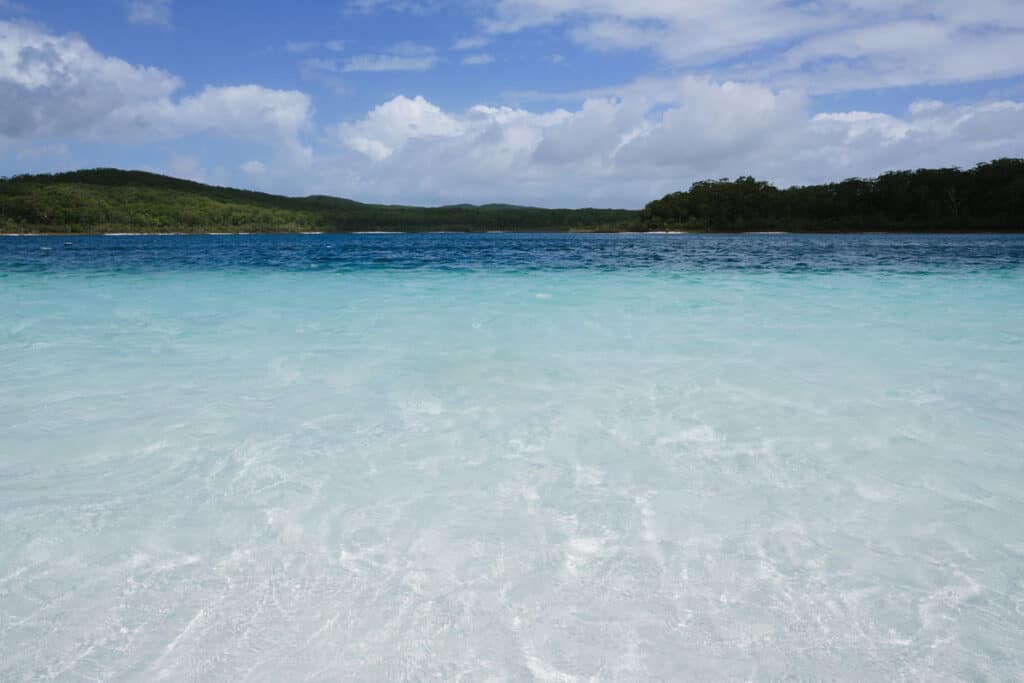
x=512 y=457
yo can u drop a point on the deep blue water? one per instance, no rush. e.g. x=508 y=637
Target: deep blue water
x=776 y=252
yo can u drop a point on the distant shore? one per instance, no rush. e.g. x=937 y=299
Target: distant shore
x=245 y=233
x=984 y=199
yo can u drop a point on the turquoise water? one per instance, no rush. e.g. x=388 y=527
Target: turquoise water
x=507 y=457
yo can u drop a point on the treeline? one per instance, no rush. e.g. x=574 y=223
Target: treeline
x=110 y=200
x=988 y=197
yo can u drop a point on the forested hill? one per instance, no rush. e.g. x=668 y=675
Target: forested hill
x=110 y=200
x=988 y=197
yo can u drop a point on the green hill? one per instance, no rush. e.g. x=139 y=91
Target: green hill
x=987 y=197
x=110 y=200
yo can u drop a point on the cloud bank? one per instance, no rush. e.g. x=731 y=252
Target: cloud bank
x=59 y=87
x=627 y=150
x=617 y=146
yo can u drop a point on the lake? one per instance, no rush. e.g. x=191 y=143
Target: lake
x=512 y=457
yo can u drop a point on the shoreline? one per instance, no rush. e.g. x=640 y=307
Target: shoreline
x=1014 y=231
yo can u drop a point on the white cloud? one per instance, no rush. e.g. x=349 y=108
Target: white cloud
x=931 y=134
x=690 y=31
x=823 y=46
x=152 y=12
x=389 y=126
x=401 y=57
x=618 y=146
x=625 y=151
x=477 y=60
x=712 y=121
x=612 y=34
x=249 y=112
x=59 y=87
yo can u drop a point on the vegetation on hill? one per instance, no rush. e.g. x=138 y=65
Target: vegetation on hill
x=988 y=197
x=109 y=200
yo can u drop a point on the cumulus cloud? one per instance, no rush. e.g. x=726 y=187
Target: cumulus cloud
x=930 y=134
x=715 y=121
x=619 y=146
x=250 y=112
x=624 y=151
x=392 y=124
x=59 y=87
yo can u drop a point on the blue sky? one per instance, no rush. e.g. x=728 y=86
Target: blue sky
x=545 y=102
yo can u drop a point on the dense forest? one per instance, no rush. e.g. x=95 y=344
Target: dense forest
x=109 y=200
x=988 y=197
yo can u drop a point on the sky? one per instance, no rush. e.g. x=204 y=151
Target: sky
x=607 y=103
